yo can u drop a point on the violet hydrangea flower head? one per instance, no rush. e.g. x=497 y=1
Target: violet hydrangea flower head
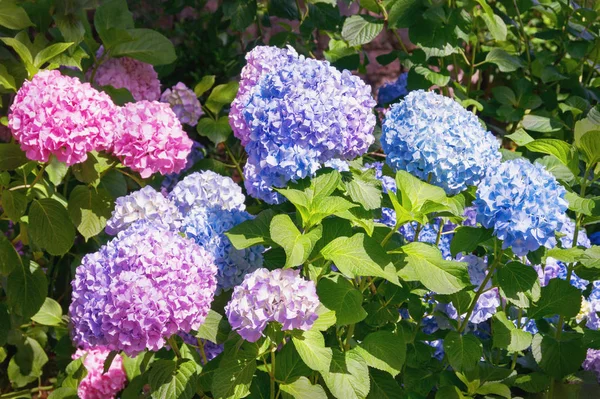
x=434 y=137
x=589 y=312
x=592 y=362
x=260 y=61
x=184 y=103
x=300 y=116
x=279 y=295
x=207 y=189
x=145 y=204
x=523 y=203
x=136 y=76
x=391 y=91
x=141 y=288
x=207 y=228
x=150 y=139
x=53 y=114
x=97 y=384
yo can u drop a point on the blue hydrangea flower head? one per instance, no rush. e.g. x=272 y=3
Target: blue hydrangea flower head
x=428 y=234
x=523 y=203
x=207 y=228
x=390 y=92
x=207 y=189
x=434 y=137
x=145 y=204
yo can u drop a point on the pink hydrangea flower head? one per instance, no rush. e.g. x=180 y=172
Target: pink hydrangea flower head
x=184 y=103
x=97 y=384
x=150 y=139
x=53 y=114
x=136 y=76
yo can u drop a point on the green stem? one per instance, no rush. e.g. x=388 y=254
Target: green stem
x=439 y=234
x=34 y=182
x=272 y=371
x=349 y=335
x=525 y=37
x=173 y=345
x=234 y=160
x=390 y=234
x=417 y=232
x=202 y=352
x=26 y=391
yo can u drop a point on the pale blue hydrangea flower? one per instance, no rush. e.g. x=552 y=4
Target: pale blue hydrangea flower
x=435 y=138
x=523 y=203
x=390 y=92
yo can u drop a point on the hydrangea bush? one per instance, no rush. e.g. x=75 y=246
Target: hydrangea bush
x=266 y=228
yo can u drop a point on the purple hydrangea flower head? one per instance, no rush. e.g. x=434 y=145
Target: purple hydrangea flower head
x=184 y=103
x=470 y=216
x=280 y=295
x=301 y=115
x=432 y=136
x=141 y=288
x=145 y=204
x=523 y=203
x=207 y=189
x=172 y=179
x=589 y=312
x=390 y=92
x=428 y=234
x=592 y=362
x=551 y=270
x=207 y=228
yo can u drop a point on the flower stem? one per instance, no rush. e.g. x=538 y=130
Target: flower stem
x=272 y=371
x=349 y=336
x=173 y=345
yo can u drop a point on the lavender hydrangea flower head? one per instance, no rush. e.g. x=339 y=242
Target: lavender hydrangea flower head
x=390 y=92
x=207 y=228
x=145 y=204
x=434 y=137
x=592 y=362
x=184 y=103
x=523 y=203
x=589 y=312
x=280 y=295
x=141 y=288
x=207 y=189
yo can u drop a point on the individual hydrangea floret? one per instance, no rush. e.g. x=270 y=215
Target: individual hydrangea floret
x=436 y=139
x=392 y=91
x=58 y=115
x=184 y=103
x=207 y=228
x=98 y=384
x=141 y=288
x=145 y=204
x=207 y=189
x=299 y=116
x=150 y=139
x=136 y=76
x=523 y=203
x=280 y=295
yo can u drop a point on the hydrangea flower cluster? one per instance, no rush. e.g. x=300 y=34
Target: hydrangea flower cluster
x=428 y=234
x=390 y=92
x=172 y=179
x=588 y=312
x=280 y=295
x=296 y=117
x=436 y=139
x=141 y=288
x=184 y=103
x=58 y=115
x=150 y=139
x=523 y=203
x=207 y=189
x=592 y=362
x=145 y=204
x=136 y=76
x=207 y=228
x=97 y=384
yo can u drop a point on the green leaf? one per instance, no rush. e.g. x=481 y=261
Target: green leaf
x=204 y=85
x=27 y=365
x=147 y=46
x=50 y=52
x=580 y=205
x=569 y=255
x=11 y=157
x=50 y=314
x=338 y=294
x=14 y=204
x=365 y=189
x=518 y=283
x=360 y=255
x=252 y=232
x=449 y=392
x=26 y=290
x=348 y=375
x=521 y=137
x=435 y=78
x=13 y=16
x=6 y=79
x=494 y=388
x=589 y=143
x=290 y=366
x=56 y=170
x=233 y=377
x=541 y=124
x=404 y=13
x=467 y=238
x=303 y=389
x=560 y=149
x=64 y=393
x=507 y=336
x=214 y=328
x=558 y=358
x=89 y=209
x=297 y=246
x=50 y=226
x=558 y=297
x=119 y=96
x=424 y=263
x=504 y=61
x=170 y=379
x=221 y=95
x=311 y=348
x=533 y=382
x=286 y=9
x=359 y=29
x=494 y=23
x=463 y=351
x=217 y=131
x=384 y=351
x=383 y=386
x=241 y=12
x=9 y=257
x=504 y=95
x=110 y=15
